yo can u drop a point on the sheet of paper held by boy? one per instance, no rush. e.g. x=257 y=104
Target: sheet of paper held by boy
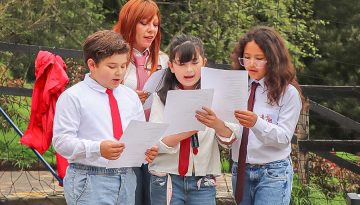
x=137 y=137
x=230 y=91
x=180 y=109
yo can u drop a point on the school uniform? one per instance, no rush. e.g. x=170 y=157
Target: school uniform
x=198 y=184
x=142 y=195
x=269 y=171
x=82 y=120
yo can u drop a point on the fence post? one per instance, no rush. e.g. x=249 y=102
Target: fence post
x=302 y=133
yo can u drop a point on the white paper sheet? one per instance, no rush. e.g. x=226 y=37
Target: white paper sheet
x=230 y=91
x=154 y=82
x=138 y=137
x=180 y=109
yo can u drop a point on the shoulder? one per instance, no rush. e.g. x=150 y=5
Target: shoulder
x=163 y=54
x=291 y=94
x=75 y=90
x=128 y=92
x=291 y=91
x=72 y=95
x=157 y=109
x=163 y=60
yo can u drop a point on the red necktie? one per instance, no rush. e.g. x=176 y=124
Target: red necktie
x=184 y=156
x=141 y=74
x=115 y=115
x=243 y=150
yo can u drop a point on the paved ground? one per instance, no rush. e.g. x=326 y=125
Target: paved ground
x=39 y=187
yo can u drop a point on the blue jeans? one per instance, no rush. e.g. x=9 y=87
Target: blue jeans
x=190 y=190
x=85 y=185
x=270 y=183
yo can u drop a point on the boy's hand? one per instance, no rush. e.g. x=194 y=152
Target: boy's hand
x=209 y=118
x=111 y=150
x=143 y=95
x=151 y=154
x=246 y=118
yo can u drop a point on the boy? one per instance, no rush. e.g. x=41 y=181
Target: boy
x=89 y=116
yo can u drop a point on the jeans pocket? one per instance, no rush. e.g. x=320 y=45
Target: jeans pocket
x=278 y=173
x=206 y=181
x=81 y=182
x=158 y=182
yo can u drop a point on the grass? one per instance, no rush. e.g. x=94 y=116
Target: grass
x=11 y=150
x=20 y=155
x=312 y=194
x=348 y=156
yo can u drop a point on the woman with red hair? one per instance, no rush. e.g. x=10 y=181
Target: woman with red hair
x=139 y=24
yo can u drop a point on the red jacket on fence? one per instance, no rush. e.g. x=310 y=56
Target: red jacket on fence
x=51 y=79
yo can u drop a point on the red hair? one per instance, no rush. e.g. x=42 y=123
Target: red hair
x=129 y=16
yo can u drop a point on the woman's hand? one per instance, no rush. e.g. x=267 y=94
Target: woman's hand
x=143 y=95
x=246 y=118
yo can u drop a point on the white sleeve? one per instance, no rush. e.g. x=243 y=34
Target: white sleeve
x=226 y=142
x=280 y=134
x=66 y=125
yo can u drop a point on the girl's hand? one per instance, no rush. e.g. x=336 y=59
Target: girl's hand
x=209 y=118
x=151 y=154
x=111 y=150
x=246 y=118
x=143 y=95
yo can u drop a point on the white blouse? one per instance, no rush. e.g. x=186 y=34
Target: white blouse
x=270 y=137
x=207 y=160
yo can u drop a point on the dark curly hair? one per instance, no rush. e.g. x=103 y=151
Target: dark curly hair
x=280 y=70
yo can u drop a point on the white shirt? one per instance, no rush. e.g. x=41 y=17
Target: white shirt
x=207 y=161
x=83 y=119
x=130 y=79
x=270 y=137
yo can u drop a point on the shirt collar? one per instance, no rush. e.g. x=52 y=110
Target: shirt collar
x=138 y=53
x=93 y=84
x=261 y=82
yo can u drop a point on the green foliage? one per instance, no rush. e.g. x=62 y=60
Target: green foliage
x=221 y=23
x=53 y=23
x=225 y=165
x=312 y=194
x=338 y=64
x=339 y=45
